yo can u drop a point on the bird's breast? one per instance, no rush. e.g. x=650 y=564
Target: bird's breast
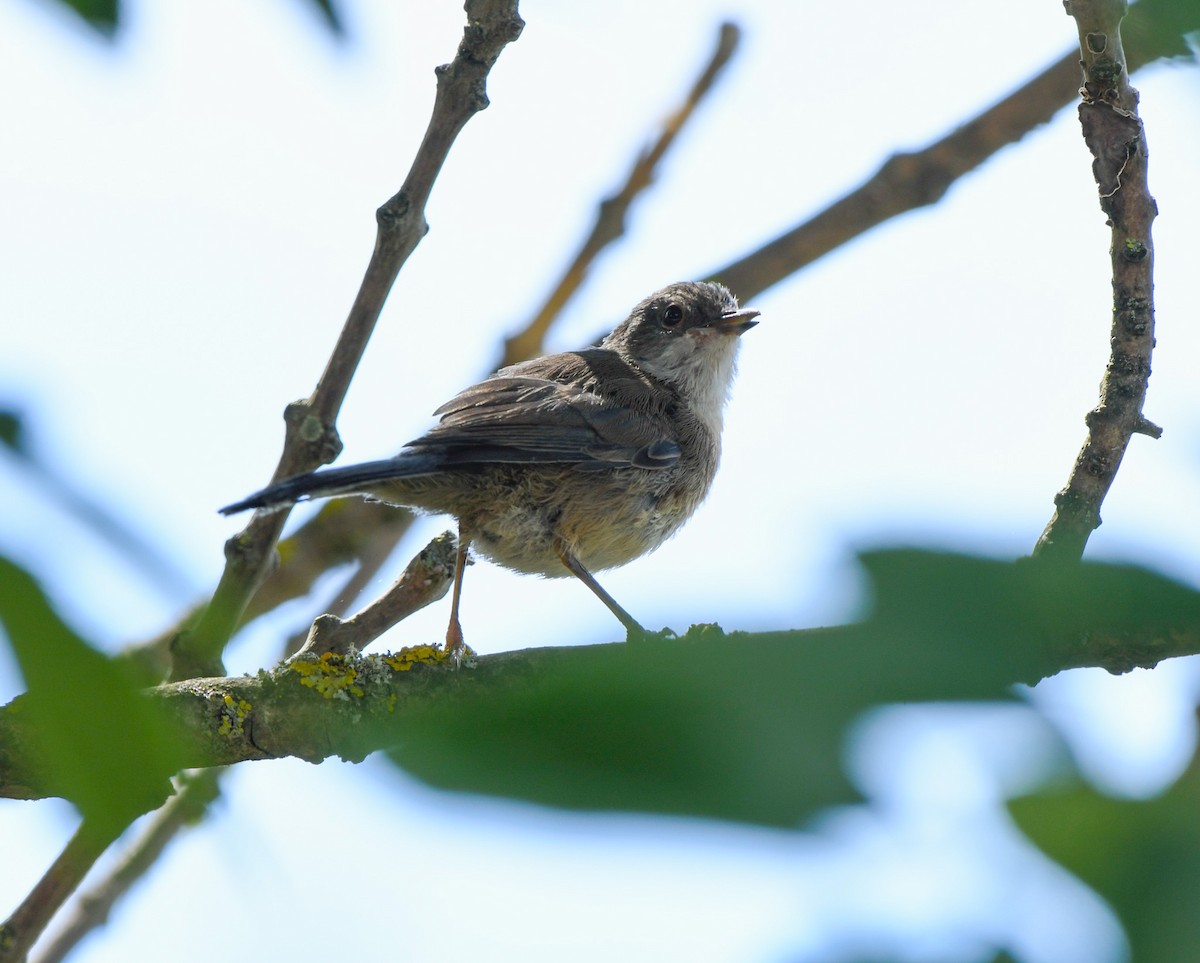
x=605 y=518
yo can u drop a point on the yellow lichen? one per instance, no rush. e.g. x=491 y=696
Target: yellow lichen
x=345 y=677
x=329 y=674
x=411 y=655
x=233 y=716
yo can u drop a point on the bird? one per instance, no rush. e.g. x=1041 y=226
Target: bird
x=569 y=463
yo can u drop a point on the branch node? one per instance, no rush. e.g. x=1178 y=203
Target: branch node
x=319 y=438
x=1144 y=426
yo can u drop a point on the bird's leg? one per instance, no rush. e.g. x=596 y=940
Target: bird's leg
x=633 y=628
x=454 y=635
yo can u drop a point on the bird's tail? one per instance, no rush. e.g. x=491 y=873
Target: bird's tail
x=336 y=481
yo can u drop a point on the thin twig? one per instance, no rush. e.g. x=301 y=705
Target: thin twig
x=894 y=190
x=21 y=930
x=425 y=580
x=610 y=218
x=344 y=531
x=196 y=792
x=311 y=436
x=907 y=181
x=375 y=550
x=1117 y=140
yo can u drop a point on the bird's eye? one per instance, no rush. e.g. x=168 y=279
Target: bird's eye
x=672 y=316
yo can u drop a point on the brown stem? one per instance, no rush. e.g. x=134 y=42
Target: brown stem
x=311 y=436
x=610 y=218
x=425 y=580
x=905 y=182
x=910 y=180
x=1115 y=136
x=187 y=806
x=21 y=930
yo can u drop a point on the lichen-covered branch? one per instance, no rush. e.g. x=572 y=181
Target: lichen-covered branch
x=311 y=435
x=1115 y=136
x=316 y=707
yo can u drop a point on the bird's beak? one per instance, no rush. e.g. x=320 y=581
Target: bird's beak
x=734 y=322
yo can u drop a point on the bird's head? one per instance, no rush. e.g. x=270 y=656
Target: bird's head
x=686 y=335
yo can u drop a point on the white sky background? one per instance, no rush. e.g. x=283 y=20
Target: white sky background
x=184 y=219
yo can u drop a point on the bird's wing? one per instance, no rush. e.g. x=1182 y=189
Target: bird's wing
x=523 y=416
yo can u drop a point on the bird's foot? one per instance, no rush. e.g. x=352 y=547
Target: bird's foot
x=456 y=645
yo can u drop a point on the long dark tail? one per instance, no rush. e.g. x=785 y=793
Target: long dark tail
x=337 y=481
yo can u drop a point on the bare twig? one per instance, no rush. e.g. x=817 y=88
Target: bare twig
x=610 y=219
x=196 y=792
x=907 y=181
x=1117 y=140
x=425 y=580
x=155 y=564
x=311 y=436
x=345 y=530
x=371 y=546
x=21 y=930
x=902 y=184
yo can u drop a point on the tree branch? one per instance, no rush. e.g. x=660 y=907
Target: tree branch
x=610 y=218
x=311 y=436
x=196 y=792
x=21 y=930
x=907 y=181
x=1117 y=140
x=426 y=579
x=314 y=707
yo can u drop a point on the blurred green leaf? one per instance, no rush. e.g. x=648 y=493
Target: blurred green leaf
x=1158 y=28
x=1026 y=609
x=753 y=730
x=1143 y=857
x=707 y=729
x=78 y=498
x=12 y=432
x=104 y=16
x=102 y=745
x=101 y=15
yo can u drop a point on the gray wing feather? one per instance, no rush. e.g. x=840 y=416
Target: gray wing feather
x=523 y=419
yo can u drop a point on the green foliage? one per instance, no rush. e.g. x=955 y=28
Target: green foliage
x=104 y=16
x=1160 y=28
x=753 y=729
x=12 y=431
x=1143 y=857
x=101 y=15
x=101 y=744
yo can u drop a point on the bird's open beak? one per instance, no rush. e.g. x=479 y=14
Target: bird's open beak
x=735 y=322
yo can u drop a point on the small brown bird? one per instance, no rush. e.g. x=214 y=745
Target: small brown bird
x=573 y=462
